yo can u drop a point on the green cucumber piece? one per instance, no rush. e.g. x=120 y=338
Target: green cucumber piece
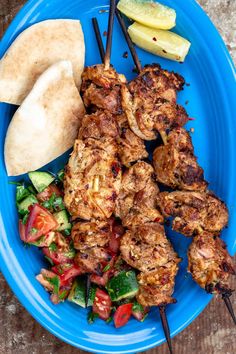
x=63 y=220
x=25 y=203
x=77 y=293
x=122 y=286
x=41 y=180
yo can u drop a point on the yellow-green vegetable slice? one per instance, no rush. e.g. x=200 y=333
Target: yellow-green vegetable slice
x=166 y=44
x=149 y=13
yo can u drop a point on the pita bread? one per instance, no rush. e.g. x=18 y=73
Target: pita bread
x=47 y=123
x=34 y=50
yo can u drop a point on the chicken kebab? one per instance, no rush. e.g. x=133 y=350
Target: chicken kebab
x=144 y=246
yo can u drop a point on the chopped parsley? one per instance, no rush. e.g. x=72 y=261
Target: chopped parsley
x=67 y=232
x=55 y=281
x=109 y=320
x=137 y=307
x=49 y=260
x=54 y=202
x=60 y=175
x=106 y=268
x=91 y=317
x=33 y=230
x=53 y=247
x=63 y=294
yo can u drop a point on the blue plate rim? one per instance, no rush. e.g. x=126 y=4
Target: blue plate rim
x=229 y=70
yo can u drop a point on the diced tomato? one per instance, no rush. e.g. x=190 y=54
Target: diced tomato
x=56 y=256
x=100 y=280
x=40 y=222
x=48 y=192
x=71 y=273
x=102 y=304
x=61 y=268
x=117 y=231
x=122 y=315
x=114 y=243
x=22 y=231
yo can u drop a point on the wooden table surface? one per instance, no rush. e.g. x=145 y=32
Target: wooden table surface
x=212 y=332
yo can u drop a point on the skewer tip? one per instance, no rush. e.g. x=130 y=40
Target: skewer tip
x=165 y=325
x=109 y=34
x=229 y=306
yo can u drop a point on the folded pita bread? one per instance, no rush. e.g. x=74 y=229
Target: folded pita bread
x=47 y=123
x=34 y=50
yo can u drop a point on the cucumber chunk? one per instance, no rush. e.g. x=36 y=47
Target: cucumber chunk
x=41 y=180
x=122 y=286
x=25 y=203
x=63 y=220
x=77 y=293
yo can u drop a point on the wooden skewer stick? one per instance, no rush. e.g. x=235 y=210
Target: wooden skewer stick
x=98 y=38
x=109 y=34
x=165 y=325
x=229 y=306
x=129 y=41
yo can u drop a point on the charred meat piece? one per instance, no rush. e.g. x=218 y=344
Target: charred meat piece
x=146 y=248
x=92 y=260
x=131 y=147
x=193 y=211
x=137 y=201
x=98 y=125
x=90 y=234
x=175 y=164
x=149 y=102
x=92 y=179
x=210 y=264
x=156 y=287
x=101 y=88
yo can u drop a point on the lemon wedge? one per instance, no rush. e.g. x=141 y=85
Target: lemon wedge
x=166 y=44
x=149 y=13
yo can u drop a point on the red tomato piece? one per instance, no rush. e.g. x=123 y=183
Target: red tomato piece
x=117 y=231
x=69 y=274
x=56 y=256
x=22 y=231
x=40 y=222
x=102 y=304
x=61 y=268
x=122 y=315
x=100 y=280
x=48 y=192
x=114 y=243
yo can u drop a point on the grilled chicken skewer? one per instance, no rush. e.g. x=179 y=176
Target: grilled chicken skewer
x=93 y=174
x=144 y=246
x=149 y=100
x=175 y=164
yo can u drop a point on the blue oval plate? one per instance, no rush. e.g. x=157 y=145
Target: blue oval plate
x=210 y=97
